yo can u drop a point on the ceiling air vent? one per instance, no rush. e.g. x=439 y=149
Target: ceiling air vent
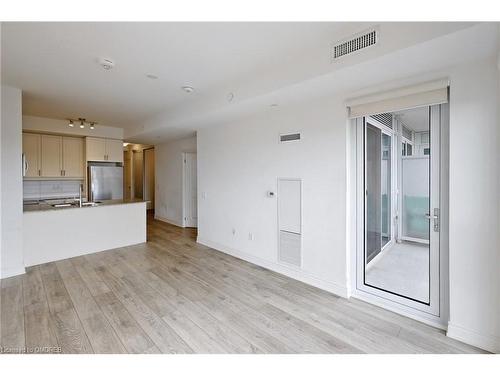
x=407 y=133
x=289 y=137
x=357 y=43
x=384 y=119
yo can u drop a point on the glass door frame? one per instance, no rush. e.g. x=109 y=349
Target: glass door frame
x=434 y=309
x=393 y=134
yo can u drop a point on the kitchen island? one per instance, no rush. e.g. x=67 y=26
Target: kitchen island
x=53 y=233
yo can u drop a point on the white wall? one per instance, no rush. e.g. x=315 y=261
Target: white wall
x=474 y=202
x=11 y=180
x=239 y=162
x=168 y=176
x=44 y=124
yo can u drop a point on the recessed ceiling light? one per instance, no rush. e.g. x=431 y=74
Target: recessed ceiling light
x=106 y=64
x=151 y=76
x=188 y=89
x=71 y=124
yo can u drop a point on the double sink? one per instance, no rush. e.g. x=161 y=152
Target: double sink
x=74 y=203
x=61 y=203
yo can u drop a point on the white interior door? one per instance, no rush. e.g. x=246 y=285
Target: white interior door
x=403 y=267
x=190 y=190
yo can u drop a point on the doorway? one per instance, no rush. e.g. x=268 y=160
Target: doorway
x=137 y=168
x=127 y=175
x=189 y=190
x=149 y=177
x=139 y=173
x=399 y=257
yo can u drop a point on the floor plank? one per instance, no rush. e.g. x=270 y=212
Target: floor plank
x=102 y=336
x=131 y=334
x=12 y=316
x=70 y=334
x=39 y=327
x=172 y=295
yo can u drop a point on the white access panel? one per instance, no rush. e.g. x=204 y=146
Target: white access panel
x=289 y=197
x=290 y=221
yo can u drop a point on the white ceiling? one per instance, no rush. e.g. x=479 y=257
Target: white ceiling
x=55 y=66
x=55 y=63
x=416 y=119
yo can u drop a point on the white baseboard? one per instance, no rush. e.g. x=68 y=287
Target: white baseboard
x=490 y=343
x=294 y=273
x=169 y=221
x=10 y=272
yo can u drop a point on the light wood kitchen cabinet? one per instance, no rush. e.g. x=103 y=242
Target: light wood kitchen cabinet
x=114 y=150
x=95 y=149
x=31 y=151
x=104 y=149
x=51 y=159
x=72 y=157
x=53 y=156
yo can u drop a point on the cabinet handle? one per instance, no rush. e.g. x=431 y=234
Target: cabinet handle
x=39 y=172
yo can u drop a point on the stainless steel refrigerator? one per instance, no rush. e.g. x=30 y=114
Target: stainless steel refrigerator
x=105 y=181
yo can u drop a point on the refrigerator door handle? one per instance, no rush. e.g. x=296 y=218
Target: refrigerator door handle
x=25 y=165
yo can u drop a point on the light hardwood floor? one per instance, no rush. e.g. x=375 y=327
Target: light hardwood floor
x=172 y=295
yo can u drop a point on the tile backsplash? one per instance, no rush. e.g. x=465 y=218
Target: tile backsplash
x=34 y=190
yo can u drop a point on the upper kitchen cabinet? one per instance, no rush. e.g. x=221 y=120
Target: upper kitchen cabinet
x=72 y=152
x=95 y=149
x=31 y=151
x=53 y=156
x=51 y=160
x=104 y=149
x=114 y=150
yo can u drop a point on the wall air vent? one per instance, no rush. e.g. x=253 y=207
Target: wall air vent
x=384 y=119
x=290 y=137
x=357 y=43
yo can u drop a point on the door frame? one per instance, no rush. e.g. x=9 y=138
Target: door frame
x=438 y=315
x=184 y=193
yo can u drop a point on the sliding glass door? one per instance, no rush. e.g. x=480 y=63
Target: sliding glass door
x=399 y=259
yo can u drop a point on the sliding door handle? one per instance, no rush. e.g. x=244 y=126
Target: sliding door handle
x=435 y=217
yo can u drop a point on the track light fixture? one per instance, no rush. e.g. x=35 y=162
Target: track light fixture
x=82 y=122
